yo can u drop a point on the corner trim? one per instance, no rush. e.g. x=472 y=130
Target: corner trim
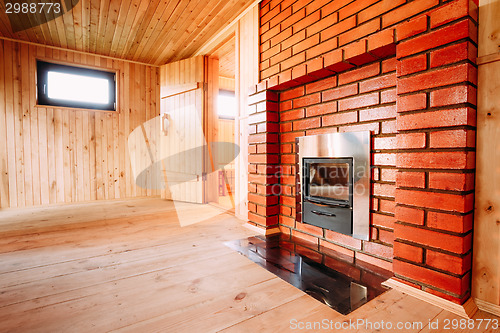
x=488 y=307
x=262 y=231
x=466 y=310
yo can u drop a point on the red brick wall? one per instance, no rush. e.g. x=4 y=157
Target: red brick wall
x=329 y=66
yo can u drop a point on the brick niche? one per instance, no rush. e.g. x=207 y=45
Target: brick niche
x=404 y=70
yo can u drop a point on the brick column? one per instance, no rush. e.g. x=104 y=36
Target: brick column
x=263 y=159
x=436 y=104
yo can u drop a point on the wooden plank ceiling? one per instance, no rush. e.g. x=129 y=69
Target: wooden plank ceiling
x=149 y=31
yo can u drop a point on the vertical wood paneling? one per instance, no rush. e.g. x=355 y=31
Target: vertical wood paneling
x=62 y=155
x=247 y=68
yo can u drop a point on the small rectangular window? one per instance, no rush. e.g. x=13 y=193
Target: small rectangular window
x=75 y=87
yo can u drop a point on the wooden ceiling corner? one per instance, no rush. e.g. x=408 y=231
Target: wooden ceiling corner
x=149 y=31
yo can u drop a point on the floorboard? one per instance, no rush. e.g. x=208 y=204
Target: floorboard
x=147 y=265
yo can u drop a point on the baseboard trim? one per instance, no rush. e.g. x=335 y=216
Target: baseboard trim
x=263 y=231
x=466 y=310
x=488 y=307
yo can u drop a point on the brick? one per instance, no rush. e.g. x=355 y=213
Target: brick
x=389 y=65
x=411 y=102
x=269 y=15
x=294 y=39
x=408 y=10
x=307 y=21
x=380 y=40
x=340 y=118
x=409 y=215
x=410 y=179
x=290 y=137
x=293 y=61
x=437 y=160
x=310 y=229
x=434 y=239
x=457 y=299
x=372 y=127
x=263 y=200
x=334 y=6
x=450 y=222
x=337 y=250
x=359 y=74
x=443 y=201
x=294 y=18
x=388 y=175
x=388 y=96
x=285 y=127
x=263 y=117
x=436 y=78
x=356 y=53
x=428 y=276
x=375 y=174
x=263 y=220
x=338 y=28
x=453 y=95
x=292 y=93
x=378 y=83
x=281 y=56
x=260 y=138
x=321 y=48
x=364 y=258
x=389 y=127
x=385 y=221
x=408 y=252
x=378 y=249
x=453 y=53
x=450 y=263
x=435 y=119
x=268 y=148
x=450 y=12
x=268 y=127
x=340 y=92
x=412 y=27
x=270 y=52
x=292 y=115
x=305 y=44
x=321 y=25
x=354 y=7
x=344 y=240
x=281 y=37
x=387 y=206
x=379 y=8
x=453 y=139
x=321 y=109
x=324 y=84
x=359 y=102
x=360 y=31
x=288 y=221
x=434 y=39
x=384 y=159
x=307 y=124
x=384 y=190
x=411 y=141
x=451 y=181
x=312 y=240
x=412 y=65
x=270 y=71
x=267 y=210
x=383 y=112
x=384 y=143
x=306 y=100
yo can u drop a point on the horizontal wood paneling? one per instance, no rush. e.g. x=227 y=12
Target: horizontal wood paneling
x=150 y=31
x=61 y=155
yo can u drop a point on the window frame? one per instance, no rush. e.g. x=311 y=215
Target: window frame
x=43 y=67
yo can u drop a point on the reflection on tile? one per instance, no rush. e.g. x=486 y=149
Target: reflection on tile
x=328 y=276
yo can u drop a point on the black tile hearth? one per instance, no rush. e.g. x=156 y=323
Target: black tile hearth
x=326 y=275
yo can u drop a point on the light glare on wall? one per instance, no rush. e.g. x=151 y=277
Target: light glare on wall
x=79 y=88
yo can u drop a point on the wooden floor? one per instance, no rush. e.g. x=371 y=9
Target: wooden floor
x=134 y=266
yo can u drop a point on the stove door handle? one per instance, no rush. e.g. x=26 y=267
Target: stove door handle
x=323 y=213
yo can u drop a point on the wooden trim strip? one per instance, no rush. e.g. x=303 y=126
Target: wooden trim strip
x=75 y=51
x=488 y=58
x=466 y=310
x=488 y=307
x=181 y=89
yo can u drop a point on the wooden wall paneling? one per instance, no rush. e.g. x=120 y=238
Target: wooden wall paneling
x=18 y=125
x=247 y=43
x=34 y=159
x=226 y=83
x=26 y=129
x=4 y=177
x=489 y=39
x=198 y=133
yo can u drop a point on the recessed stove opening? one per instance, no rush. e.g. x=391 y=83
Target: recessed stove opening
x=334 y=182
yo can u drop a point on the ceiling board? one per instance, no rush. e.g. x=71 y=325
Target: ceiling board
x=226 y=53
x=150 y=31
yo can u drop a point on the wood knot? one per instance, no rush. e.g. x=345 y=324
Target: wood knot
x=240 y=296
x=489 y=209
